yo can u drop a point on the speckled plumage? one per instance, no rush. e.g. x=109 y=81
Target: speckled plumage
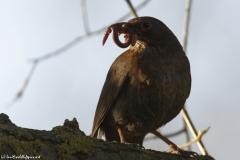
x=146 y=86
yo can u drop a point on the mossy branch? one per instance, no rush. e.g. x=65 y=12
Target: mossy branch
x=68 y=142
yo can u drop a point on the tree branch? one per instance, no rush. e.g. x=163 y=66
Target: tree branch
x=84 y=15
x=185 y=115
x=198 y=138
x=66 y=47
x=132 y=8
x=186 y=24
x=68 y=142
x=167 y=135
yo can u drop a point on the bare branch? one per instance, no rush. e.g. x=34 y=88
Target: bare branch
x=131 y=8
x=167 y=135
x=186 y=24
x=184 y=111
x=186 y=132
x=137 y=8
x=193 y=131
x=79 y=38
x=197 y=139
x=66 y=47
x=24 y=86
x=85 y=16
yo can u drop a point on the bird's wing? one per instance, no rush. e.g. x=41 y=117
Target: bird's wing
x=115 y=80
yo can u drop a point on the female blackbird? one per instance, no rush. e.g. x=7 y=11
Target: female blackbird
x=146 y=86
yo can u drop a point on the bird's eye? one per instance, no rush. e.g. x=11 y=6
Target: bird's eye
x=146 y=25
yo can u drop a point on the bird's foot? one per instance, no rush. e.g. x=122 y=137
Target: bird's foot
x=134 y=145
x=175 y=150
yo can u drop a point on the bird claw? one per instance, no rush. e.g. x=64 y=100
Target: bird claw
x=175 y=150
x=134 y=145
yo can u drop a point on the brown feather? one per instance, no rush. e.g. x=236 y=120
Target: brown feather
x=146 y=86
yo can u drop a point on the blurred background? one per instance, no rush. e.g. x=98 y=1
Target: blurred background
x=69 y=84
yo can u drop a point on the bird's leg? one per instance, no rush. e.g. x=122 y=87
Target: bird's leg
x=122 y=139
x=120 y=132
x=173 y=147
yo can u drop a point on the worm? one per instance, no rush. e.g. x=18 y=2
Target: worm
x=108 y=31
x=117 y=29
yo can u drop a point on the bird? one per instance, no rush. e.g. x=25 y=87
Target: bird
x=146 y=86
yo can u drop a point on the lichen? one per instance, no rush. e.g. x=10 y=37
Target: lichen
x=18 y=132
x=68 y=142
x=22 y=147
x=72 y=142
x=17 y=139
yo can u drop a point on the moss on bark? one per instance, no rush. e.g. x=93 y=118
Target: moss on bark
x=68 y=142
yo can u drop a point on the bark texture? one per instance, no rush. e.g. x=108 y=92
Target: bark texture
x=68 y=142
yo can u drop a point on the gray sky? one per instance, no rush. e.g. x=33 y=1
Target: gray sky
x=69 y=85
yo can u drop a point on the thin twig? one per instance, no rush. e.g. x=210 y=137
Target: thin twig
x=186 y=133
x=79 y=38
x=184 y=111
x=65 y=47
x=197 y=139
x=186 y=24
x=85 y=16
x=167 y=135
x=24 y=86
x=193 y=131
x=62 y=50
x=184 y=44
x=137 y=8
x=131 y=8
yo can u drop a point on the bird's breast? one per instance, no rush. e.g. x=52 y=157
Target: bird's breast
x=154 y=93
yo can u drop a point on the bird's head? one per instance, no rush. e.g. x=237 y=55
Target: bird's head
x=147 y=30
